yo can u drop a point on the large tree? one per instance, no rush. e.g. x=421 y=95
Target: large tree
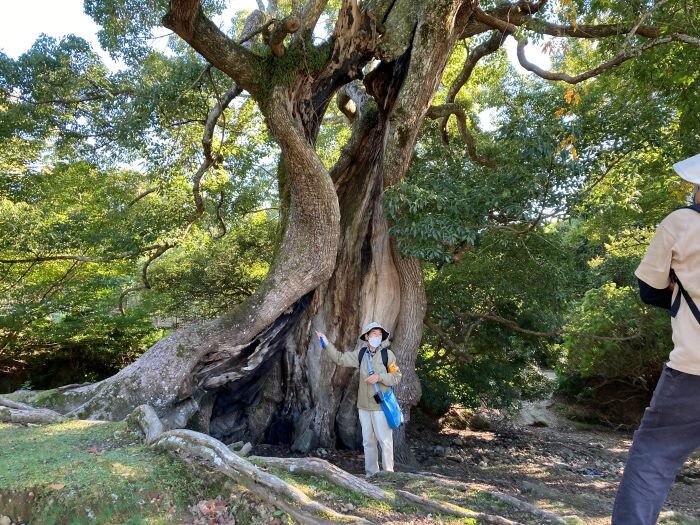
x=257 y=372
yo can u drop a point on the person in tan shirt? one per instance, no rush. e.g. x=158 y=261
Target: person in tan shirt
x=375 y=429
x=669 y=277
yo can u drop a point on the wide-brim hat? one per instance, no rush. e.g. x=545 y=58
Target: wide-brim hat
x=372 y=325
x=689 y=169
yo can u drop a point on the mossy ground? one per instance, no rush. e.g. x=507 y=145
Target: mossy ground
x=92 y=472
x=81 y=472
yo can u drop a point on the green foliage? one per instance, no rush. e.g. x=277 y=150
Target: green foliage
x=97 y=172
x=207 y=276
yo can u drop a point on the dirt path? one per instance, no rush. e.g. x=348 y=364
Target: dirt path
x=571 y=472
x=563 y=470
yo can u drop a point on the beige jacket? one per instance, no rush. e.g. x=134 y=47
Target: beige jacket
x=365 y=395
x=676 y=246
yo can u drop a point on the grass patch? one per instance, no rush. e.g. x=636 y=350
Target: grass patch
x=92 y=472
x=679 y=520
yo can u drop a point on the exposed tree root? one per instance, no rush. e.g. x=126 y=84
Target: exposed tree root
x=321 y=467
x=527 y=507
x=147 y=420
x=447 y=508
x=506 y=498
x=14 y=412
x=195 y=447
x=198 y=448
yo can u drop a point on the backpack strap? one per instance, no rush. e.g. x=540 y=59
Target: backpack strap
x=385 y=357
x=682 y=292
x=688 y=299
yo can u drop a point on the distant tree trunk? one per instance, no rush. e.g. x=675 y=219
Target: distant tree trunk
x=259 y=373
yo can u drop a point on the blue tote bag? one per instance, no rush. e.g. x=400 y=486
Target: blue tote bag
x=390 y=405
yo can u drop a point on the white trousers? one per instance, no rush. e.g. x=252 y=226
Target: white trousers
x=375 y=428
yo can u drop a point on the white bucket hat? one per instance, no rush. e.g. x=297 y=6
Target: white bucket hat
x=689 y=169
x=370 y=326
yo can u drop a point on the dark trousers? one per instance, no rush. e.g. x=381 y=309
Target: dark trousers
x=667 y=435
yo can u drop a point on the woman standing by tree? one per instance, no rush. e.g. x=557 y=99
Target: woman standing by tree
x=386 y=375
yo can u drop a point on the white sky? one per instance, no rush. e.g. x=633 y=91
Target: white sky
x=22 y=22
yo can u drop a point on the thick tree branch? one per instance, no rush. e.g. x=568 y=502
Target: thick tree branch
x=444 y=111
x=219 y=218
x=515 y=326
x=511 y=16
x=583 y=30
x=280 y=30
x=353 y=99
x=185 y=18
x=310 y=14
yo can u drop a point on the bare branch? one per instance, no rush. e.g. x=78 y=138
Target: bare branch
x=213 y=117
x=255 y=24
x=219 y=218
x=646 y=15
x=444 y=111
x=141 y=196
x=144 y=274
x=197 y=81
x=54 y=286
x=606 y=66
x=125 y=293
x=80 y=258
x=515 y=326
x=687 y=39
x=486 y=48
x=272 y=7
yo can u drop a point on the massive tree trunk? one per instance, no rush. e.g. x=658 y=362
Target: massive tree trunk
x=258 y=374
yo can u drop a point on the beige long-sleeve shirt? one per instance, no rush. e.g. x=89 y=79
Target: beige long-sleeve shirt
x=676 y=245
x=365 y=394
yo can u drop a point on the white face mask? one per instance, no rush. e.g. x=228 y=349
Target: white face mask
x=375 y=341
